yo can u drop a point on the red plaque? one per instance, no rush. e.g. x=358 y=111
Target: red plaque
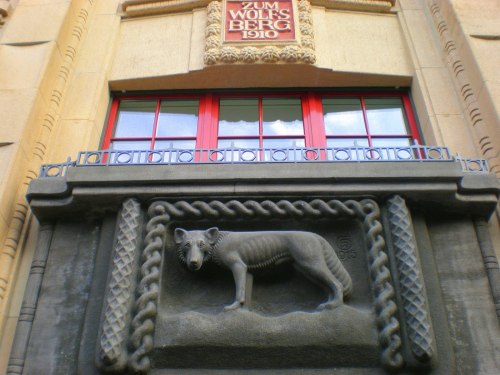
x=259 y=20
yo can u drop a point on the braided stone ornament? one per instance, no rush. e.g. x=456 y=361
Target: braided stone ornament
x=410 y=279
x=161 y=213
x=112 y=353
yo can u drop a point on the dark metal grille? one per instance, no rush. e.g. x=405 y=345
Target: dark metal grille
x=174 y=156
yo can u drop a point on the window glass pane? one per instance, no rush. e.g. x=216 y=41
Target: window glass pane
x=283 y=143
x=343 y=116
x=182 y=152
x=238 y=143
x=184 y=145
x=385 y=116
x=135 y=118
x=398 y=148
x=239 y=117
x=282 y=116
x=279 y=150
x=252 y=145
x=127 y=158
x=178 y=118
x=130 y=145
x=390 y=142
x=345 y=150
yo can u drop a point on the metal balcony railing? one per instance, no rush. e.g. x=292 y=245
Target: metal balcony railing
x=235 y=155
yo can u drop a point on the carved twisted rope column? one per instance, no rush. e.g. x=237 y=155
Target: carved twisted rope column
x=161 y=214
x=410 y=279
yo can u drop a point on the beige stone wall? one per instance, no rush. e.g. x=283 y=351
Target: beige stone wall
x=60 y=58
x=54 y=59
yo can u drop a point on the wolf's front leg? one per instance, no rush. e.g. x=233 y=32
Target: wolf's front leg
x=239 y=273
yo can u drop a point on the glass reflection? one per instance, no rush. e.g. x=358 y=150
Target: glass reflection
x=135 y=118
x=343 y=116
x=402 y=149
x=178 y=118
x=386 y=116
x=239 y=117
x=282 y=116
x=125 y=158
x=283 y=149
x=345 y=148
x=182 y=151
x=239 y=155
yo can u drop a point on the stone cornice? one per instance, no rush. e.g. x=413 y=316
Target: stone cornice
x=138 y=8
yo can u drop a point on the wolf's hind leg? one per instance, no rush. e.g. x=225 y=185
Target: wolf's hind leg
x=322 y=276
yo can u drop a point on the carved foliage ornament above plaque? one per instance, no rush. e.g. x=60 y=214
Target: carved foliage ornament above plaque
x=259 y=32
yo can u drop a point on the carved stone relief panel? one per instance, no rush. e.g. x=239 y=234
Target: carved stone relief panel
x=294 y=283
x=260 y=26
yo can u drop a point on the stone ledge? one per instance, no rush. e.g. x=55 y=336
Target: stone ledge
x=432 y=184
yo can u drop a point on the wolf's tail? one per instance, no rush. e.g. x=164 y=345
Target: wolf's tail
x=337 y=268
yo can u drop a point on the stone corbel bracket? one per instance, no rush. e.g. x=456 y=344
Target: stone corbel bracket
x=218 y=53
x=161 y=214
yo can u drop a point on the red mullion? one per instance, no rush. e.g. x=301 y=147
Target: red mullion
x=314 y=122
x=365 y=118
x=110 y=127
x=155 y=124
x=411 y=118
x=111 y=124
x=261 y=126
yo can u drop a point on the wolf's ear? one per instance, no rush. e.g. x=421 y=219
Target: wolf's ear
x=180 y=235
x=212 y=235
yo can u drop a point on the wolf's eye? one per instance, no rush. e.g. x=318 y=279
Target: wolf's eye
x=201 y=243
x=187 y=245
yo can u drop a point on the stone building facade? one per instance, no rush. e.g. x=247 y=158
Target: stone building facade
x=370 y=127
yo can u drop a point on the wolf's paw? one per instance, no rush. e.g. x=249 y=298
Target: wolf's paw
x=234 y=306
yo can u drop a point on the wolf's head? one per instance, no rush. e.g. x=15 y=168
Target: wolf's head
x=195 y=246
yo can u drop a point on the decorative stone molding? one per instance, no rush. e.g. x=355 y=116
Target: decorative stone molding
x=17 y=222
x=381 y=6
x=138 y=8
x=410 y=279
x=4 y=11
x=162 y=213
x=112 y=351
x=219 y=52
x=490 y=261
x=28 y=308
x=489 y=148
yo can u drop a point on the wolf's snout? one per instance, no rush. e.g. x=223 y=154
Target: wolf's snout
x=194 y=264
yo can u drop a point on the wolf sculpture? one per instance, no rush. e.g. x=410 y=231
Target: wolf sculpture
x=243 y=251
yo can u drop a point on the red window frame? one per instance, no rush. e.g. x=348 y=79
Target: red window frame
x=312 y=116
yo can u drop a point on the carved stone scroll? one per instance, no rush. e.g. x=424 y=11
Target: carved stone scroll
x=112 y=349
x=410 y=279
x=162 y=213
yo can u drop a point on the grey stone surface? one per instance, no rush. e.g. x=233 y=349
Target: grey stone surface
x=344 y=336
x=282 y=333
x=467 y=298
x=245 y=252
x=433 y=184
x=57 y=327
